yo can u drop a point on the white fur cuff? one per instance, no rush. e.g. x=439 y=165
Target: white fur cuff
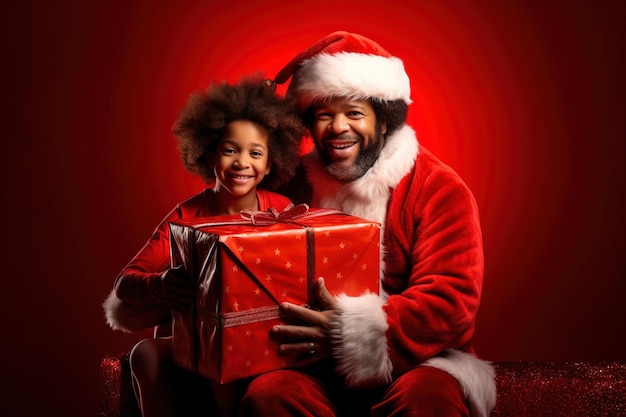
x=476 y=376
x=128 y=318
x=359 y=341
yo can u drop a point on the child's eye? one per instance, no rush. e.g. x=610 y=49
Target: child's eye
x=228 y=151
x=256 y=154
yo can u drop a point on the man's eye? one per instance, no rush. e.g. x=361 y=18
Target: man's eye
x=322 y=116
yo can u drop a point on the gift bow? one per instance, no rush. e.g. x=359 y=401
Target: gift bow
x=290 y=214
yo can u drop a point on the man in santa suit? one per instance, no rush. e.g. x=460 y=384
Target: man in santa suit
x=407 y=351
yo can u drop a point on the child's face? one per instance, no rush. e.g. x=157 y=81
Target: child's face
x=242 y=158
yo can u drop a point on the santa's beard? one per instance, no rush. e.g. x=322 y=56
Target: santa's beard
x=363 y=162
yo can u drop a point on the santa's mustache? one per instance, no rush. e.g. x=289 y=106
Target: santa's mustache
x=343 y=136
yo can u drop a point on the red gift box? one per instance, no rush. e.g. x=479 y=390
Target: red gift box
x=245 y=266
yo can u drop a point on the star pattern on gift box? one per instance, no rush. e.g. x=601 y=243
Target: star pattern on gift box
x=339 y=269
x=281 y=278
x=251 y=351
x=273 y=268
x=260 y=269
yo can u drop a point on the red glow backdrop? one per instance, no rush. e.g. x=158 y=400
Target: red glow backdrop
x=527 y=102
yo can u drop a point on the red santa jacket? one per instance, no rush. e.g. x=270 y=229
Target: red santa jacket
x=432 y=270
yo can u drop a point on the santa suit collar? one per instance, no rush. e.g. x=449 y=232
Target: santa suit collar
x=367 y=196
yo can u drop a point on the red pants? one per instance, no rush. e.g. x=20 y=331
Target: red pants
x=424 y=391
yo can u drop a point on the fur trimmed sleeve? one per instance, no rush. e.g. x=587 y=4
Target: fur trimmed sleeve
x=126 y=317
x=359 y=342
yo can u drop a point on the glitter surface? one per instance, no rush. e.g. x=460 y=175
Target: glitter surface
x=117 y=397
x=525 y=389
x=110 y=381
x=561 y=389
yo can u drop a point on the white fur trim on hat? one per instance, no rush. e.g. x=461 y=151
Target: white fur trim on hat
x=351 y=75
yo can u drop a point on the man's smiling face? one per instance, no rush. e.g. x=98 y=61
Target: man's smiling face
x=347 y=136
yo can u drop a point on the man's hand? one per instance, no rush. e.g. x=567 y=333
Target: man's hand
x=308 y=342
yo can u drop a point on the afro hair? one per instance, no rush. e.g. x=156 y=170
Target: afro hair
x=202 y=123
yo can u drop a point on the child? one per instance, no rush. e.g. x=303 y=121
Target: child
x=242 y=140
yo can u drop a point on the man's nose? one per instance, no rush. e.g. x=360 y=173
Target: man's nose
x=339 y=123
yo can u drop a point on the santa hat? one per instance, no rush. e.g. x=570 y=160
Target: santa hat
x=347 y=65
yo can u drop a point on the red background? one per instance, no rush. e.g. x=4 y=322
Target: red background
x=526 y=100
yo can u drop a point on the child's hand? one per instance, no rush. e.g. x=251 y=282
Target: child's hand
x=176 y=289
